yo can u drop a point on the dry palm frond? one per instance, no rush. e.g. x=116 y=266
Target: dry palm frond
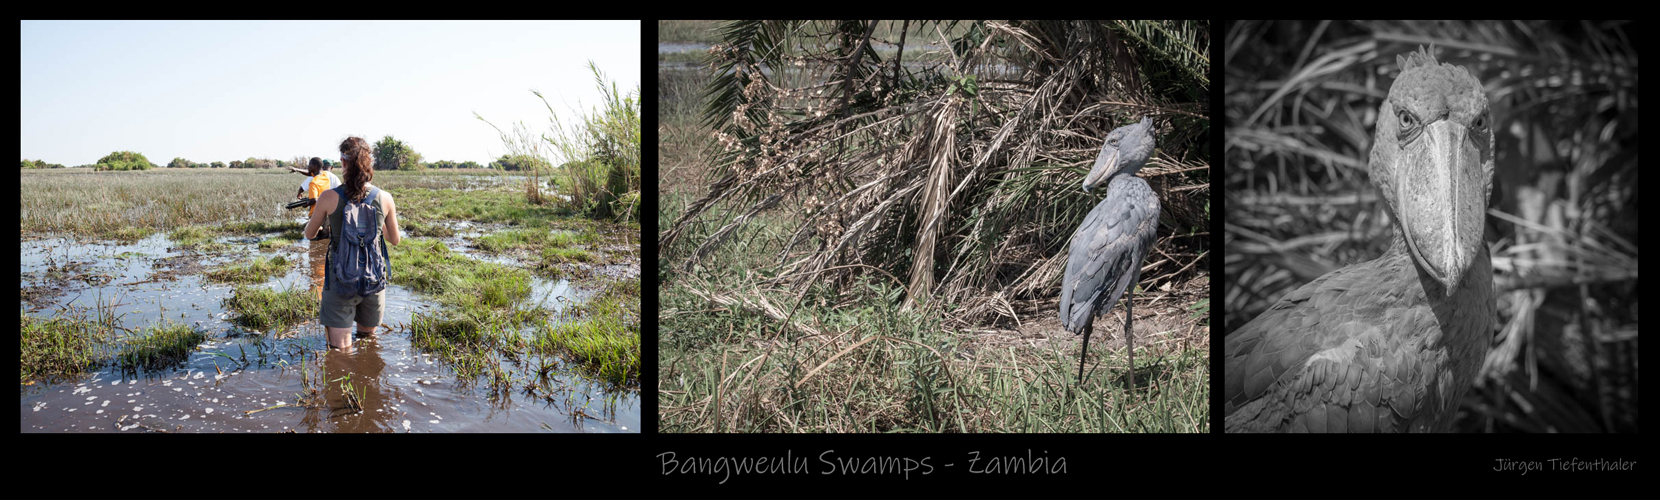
x=957 y=167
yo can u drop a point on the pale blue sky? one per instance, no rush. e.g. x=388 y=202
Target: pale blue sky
x=227 y=90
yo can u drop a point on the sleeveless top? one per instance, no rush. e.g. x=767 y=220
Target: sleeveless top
x=335 y=222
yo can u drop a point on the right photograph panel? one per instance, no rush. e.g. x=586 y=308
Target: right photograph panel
x=1430 y=227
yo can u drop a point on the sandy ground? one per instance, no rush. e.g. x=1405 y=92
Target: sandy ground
x=1163 y=324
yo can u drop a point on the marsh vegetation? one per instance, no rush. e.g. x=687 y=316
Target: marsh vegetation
x=862 y=225
x=154 y=278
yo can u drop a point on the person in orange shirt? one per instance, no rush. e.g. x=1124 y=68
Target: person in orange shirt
x=321 y=180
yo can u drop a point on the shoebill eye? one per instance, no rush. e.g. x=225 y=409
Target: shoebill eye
x=1408 y=122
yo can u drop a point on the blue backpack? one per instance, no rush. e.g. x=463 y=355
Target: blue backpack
x=357 y=263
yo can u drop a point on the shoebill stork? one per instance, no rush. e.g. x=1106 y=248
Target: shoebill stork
x=1388 y=345
x=1107 y=250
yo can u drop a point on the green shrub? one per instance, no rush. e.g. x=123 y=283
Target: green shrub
x=124 y=160
x=393 y=154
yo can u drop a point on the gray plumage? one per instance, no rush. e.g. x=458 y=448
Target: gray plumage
x=1108 y=248
x=1389 y=345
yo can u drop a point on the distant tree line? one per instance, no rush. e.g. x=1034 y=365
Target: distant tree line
x=28 y=163
x=519 y=162
x=389 y=154
x=451 y=164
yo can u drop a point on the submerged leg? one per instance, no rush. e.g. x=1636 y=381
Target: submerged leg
x=339 y=338
x=1088 y=326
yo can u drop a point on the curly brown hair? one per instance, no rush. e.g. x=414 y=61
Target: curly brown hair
x=359 y=161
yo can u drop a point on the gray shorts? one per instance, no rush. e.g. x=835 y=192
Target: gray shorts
x=340 y=312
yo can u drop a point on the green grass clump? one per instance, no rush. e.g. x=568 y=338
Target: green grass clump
x=557 y=255
x=427 y=229
x=523 y=238
x=261 y=308
x=562 y=239
x=58 y=347
x=430 y=205
x=465 y=342
x=275 y=243
x=257 y=271
x=159 y=346
x=603 y=336
x=190 y=236
x=260 y=227
x=129 y=234
x=509 y=239
x=605 y=340
x=429 y=267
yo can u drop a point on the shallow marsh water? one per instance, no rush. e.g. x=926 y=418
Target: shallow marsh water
x=235 y=371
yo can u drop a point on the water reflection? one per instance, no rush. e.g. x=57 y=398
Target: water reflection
x=316 y=257
x=362 y=368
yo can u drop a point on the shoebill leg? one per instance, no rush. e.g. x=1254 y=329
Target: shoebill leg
x=1088 y=327
x=1129 y=338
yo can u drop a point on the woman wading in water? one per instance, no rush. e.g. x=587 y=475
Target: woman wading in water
x=353 y=290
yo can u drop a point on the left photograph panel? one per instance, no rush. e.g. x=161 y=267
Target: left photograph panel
x=364 y=227
x=934 y=226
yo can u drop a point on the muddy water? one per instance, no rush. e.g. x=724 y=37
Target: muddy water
x=238 y=381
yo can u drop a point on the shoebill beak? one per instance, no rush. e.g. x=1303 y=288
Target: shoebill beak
x=1104 y=166
x=1440 y=194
